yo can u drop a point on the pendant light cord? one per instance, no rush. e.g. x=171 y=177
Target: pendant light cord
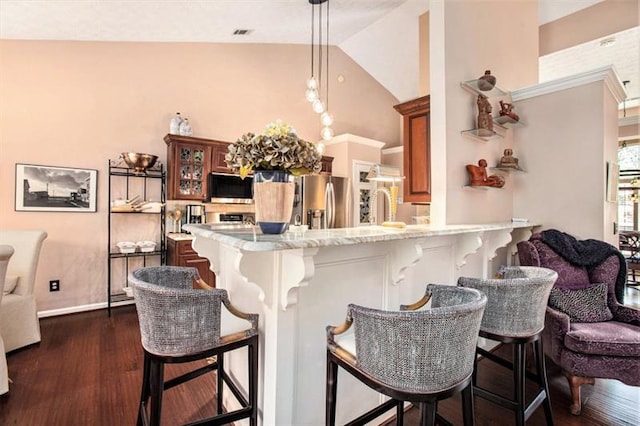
x=313 y=21
x=327 y=53
x=320 y=49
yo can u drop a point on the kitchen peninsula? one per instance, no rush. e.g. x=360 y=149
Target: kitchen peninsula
x=300 y=282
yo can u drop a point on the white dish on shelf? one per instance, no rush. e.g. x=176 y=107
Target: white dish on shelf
x=126 y=247
x=146 y=246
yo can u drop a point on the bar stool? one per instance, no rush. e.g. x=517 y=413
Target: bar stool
x=409 y=355
x=181 y=324
x=515 y=312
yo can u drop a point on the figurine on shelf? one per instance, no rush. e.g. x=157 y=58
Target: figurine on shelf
x=484 y=113
x=508 y=160
x=478 y=175
x=487 y=81
x=506 y=109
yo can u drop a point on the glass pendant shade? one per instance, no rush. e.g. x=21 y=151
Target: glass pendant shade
x=326 y=119
x=320 y=147
x=318 y=106
x=312 y=83
x=311 y=95
x=326 y=133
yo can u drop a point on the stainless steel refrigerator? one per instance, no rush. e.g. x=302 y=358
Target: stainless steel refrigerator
x=322 y=202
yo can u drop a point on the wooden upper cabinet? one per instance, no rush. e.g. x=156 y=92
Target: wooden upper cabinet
x=218 y=164
x=417 y=149
x=190 y=160
x=327 y=165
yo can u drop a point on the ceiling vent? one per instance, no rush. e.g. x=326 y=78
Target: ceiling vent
x=241 y=32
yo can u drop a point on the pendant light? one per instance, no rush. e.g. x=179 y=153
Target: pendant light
x=315 y=83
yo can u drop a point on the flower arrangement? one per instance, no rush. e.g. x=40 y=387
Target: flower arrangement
x=277 y=148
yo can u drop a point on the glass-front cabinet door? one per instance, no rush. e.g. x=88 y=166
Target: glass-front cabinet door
x=192 y=171
x=190 y=164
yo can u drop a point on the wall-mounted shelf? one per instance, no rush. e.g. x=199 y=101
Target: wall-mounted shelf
x=508 y=169
x=482 y=135
x=482 y=188
x=472 y=86
x=506 y=122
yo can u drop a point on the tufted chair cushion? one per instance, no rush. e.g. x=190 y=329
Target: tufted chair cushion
x=604 y=338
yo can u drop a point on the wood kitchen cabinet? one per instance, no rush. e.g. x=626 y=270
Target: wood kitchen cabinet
x=327 y=165
x=190 y=160
x=180 y=253
x=417 y=149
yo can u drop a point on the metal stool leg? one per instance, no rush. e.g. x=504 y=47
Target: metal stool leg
x=253 y=382
x=468 y=417
x=144 y=393
x=157 y=386
x=542 y=378
x=519 y=381
x=220 y=382
x=427 y=413
x=400 y=413
x=332 y=384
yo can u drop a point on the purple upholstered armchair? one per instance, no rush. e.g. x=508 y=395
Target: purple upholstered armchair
x=587 y=332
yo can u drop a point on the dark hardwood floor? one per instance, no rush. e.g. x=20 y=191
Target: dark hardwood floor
x=87 y=371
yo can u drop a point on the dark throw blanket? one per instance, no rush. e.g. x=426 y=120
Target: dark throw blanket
x=588 y=253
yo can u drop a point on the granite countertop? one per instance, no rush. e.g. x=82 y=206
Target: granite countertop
x=249 y=237
x=180 y=236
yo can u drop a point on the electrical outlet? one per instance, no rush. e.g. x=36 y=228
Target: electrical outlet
x=54 y=285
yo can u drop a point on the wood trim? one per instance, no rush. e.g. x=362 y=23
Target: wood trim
x=413 y=106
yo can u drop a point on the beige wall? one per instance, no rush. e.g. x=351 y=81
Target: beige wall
x=565 y=157
x=466 y=39
x=77 y=104
x=599 y=20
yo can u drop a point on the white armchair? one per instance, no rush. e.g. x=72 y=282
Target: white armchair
x=19 y=325
x=5 y=254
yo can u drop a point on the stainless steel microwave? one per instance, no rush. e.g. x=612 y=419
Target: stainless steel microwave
x=227 y=188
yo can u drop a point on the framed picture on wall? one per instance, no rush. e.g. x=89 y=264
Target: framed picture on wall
x=55 y=189
x=612 y=181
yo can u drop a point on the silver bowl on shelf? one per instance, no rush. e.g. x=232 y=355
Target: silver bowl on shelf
x=139 y=162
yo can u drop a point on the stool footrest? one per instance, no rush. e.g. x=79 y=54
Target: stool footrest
x=190 y=375
x=374 y=413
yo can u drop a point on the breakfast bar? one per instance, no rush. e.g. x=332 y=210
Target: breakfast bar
x=300 y=282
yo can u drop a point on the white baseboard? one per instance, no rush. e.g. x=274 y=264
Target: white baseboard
x=82 y=308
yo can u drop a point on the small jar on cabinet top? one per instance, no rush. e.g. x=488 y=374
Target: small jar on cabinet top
x=185 y=128
x=174 y=124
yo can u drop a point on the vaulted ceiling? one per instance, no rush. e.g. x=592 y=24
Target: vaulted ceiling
x=281 y=21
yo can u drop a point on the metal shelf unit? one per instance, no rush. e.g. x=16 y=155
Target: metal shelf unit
x=119 y=173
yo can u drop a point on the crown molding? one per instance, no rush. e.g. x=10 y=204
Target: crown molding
x=348 y=137
x=393 y=150
x=606 y=74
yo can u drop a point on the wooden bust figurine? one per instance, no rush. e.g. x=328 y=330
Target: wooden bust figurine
x=484 y=113
x=508 y=160
x=478 y=175
x=507 y=109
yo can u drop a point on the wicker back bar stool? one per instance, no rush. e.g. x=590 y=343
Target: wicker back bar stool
x=179 y=323
x=420 y=356
x=515 y=312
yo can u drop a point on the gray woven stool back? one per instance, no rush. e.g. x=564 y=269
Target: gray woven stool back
x=517 y=301
x=421 y=351
x=175 y=319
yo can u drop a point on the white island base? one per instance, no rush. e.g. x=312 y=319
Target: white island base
x=300 y=283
